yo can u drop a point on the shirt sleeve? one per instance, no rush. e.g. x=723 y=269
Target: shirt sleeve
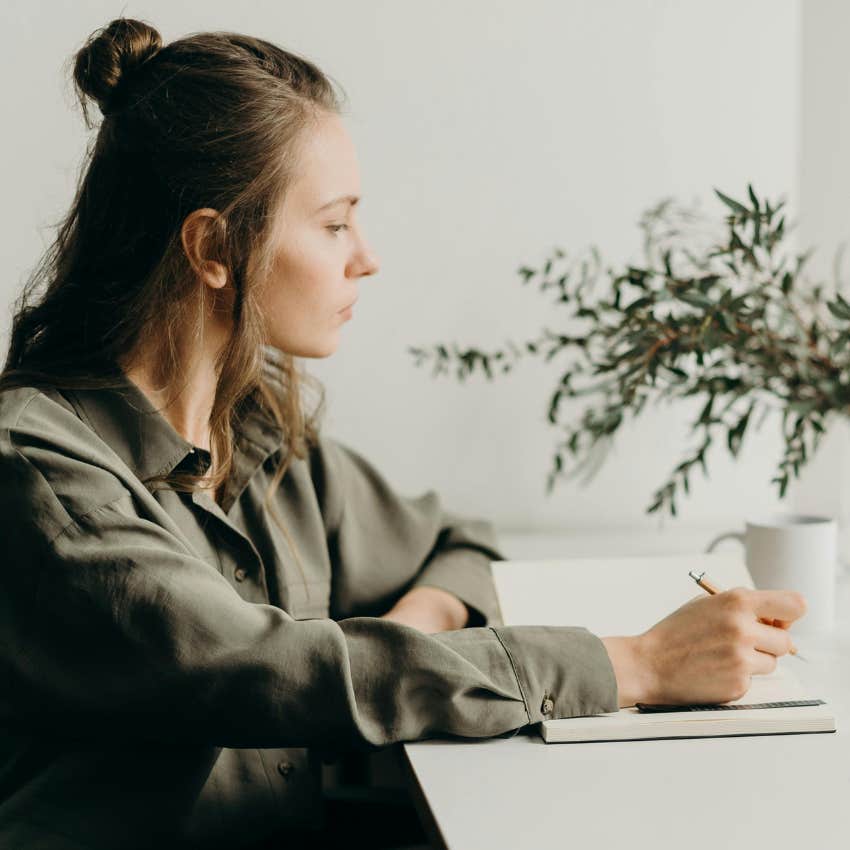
x=383 y=543
x=110 y=625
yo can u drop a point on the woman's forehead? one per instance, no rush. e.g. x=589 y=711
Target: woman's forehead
x=327 y=170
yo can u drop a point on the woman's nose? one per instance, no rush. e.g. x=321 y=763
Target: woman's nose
x=368 y=262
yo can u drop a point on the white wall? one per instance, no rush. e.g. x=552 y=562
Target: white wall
x=825 y=216
x=488 y=134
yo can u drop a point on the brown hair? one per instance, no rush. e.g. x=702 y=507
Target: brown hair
x=211 y=120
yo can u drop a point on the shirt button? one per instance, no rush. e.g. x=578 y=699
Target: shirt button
x=548 y=706
x=240 y=574
x=284 y=768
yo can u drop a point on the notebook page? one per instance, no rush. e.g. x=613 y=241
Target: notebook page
x=778 y=686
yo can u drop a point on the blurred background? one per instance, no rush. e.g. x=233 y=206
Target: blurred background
x=490 y=133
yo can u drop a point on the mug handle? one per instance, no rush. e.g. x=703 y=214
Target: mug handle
x=729 y=535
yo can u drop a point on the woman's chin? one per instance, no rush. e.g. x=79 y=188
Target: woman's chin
x=314 y=350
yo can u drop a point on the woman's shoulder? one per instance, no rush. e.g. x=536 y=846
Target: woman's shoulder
x=51 y=462
x=37 y=411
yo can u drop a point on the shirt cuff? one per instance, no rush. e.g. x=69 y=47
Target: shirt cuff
x=563 y=671
x=466 y=574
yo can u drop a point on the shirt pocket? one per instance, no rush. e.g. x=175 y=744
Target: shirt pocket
x=308 y=599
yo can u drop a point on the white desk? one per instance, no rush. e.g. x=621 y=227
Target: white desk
x=784 y=791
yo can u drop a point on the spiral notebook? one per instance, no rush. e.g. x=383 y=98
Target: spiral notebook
x=627 y=595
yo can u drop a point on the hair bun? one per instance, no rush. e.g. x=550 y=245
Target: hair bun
x=110 y=55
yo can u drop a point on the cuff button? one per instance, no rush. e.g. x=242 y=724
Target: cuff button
x=548 y=706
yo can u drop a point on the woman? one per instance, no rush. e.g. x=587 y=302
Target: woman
x=202 y=594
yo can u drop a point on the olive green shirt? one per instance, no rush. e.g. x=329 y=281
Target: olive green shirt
x=170 y=678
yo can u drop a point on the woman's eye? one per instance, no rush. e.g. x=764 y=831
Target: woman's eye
x=335 y=228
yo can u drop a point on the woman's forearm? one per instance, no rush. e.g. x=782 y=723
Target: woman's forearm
x=429 y=609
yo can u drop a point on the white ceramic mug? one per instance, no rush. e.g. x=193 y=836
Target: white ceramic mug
x=794 y=552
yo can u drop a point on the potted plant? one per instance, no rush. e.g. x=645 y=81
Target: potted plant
x=719 y=309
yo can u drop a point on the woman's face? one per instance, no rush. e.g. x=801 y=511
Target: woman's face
x=321 y=253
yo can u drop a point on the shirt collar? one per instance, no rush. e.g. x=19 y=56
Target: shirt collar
x=125 y=418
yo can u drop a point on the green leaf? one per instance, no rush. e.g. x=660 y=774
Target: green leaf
x=839 y=308
x=636 y=277
x=735 y=436
x=736 y=242
x=739 y=301
x=706 y=412
x=554 y=403
x=782 y=481
x=727 y=322
x=639 y=303
x=679 y=373
x=753 y=197
x=695 y=299
x=731 y=203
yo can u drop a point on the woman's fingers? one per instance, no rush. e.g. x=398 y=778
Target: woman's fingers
x=763 y=663
x=785 y=605
x=771 y=639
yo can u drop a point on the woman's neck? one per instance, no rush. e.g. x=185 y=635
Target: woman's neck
x=189 y=412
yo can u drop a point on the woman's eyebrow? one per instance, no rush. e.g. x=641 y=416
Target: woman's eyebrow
x=352 y=199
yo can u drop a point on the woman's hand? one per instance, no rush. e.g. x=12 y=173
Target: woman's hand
x=707 y=650
x=429 y=609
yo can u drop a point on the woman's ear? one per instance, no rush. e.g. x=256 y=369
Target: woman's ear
x=195 y=236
